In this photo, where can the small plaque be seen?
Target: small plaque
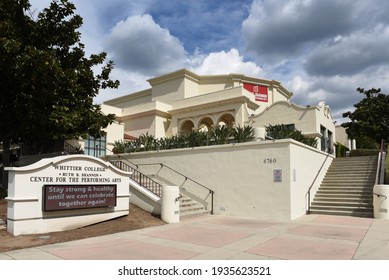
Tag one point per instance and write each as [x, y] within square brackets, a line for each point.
[277, 175]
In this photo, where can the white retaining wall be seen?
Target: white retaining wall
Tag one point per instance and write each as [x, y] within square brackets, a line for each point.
[268, 179]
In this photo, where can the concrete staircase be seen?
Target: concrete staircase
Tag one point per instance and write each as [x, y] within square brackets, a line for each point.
[191, 208]
[188, 206]
[347, 188]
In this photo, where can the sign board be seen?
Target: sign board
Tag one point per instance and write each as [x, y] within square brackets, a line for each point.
[65, 192]
[68, 197]
[260, 92]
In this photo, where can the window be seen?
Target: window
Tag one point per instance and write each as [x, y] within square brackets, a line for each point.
[323, 138]
[290, 126]
[95, 146]
[329, 142]
[326, 140]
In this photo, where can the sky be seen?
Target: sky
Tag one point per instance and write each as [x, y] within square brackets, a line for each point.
[319, 50]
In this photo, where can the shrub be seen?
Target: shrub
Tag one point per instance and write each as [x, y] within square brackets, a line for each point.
[220, 134]
[341, 149]
[242, 134]
[217, 135]
[197, 138]
[281, 131]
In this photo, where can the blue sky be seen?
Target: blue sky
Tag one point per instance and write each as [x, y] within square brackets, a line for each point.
[319, 50]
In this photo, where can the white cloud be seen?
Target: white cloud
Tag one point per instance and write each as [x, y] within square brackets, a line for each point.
[320, 50]
[278, 29]
[350, 55]
[140, 45]
[225, 62]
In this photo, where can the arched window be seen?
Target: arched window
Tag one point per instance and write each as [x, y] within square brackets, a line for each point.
[226, 119]
[205, 124]
[186, 127]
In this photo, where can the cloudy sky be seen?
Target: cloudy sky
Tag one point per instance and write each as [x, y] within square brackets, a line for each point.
[319, 50]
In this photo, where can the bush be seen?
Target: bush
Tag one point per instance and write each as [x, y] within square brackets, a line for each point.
[243, 134]
[217, 135]
[281, 131]
[197, 138]
[341, 150]
[220, 134]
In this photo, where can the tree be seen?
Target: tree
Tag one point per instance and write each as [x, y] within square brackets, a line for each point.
[47, 84]
[370, 118]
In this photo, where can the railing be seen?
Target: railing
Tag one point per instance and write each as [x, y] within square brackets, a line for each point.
[313, 182]
[139, 177]
[380, 175]
[155, 187]
[70, 149]
[121, 163]
[185, 178]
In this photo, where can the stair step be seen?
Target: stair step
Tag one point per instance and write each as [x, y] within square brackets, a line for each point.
[343, 199]
[190, 208]
[342, 208]
[356, 204]
[355, 175]
[346, 185]
[367, 198]
[343, 213]
[191, 214]
[347, 188]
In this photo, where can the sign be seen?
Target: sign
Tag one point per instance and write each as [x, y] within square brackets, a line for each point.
[67, 197]
[65, 192]
[260, 92]
[277, 175]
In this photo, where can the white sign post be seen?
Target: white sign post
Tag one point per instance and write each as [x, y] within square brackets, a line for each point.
[63, 193]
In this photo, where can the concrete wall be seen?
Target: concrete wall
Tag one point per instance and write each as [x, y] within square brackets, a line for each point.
[304, 166]
[288, 113]
[266, 179]
[131, 100]
[169, 91]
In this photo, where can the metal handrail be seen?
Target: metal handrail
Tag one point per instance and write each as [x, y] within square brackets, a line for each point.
[313, 182]
[139, 177]
[159, 191]
[380, 195]
[185, 177]
[380, 165]
[175, 171]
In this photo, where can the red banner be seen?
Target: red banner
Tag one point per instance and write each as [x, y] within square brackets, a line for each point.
[260, 92]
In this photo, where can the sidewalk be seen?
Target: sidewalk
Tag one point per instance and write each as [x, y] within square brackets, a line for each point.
[311, 237]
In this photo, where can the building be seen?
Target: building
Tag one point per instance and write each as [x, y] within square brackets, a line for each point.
[342, 138]
[181, 101]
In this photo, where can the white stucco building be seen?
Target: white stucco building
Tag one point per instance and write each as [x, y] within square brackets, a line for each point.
[182, 100]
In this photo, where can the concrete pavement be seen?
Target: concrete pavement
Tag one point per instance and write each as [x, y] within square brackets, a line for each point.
[213, 237]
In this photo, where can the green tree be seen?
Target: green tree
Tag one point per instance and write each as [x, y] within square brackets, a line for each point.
[370, 117]
[47, 84]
